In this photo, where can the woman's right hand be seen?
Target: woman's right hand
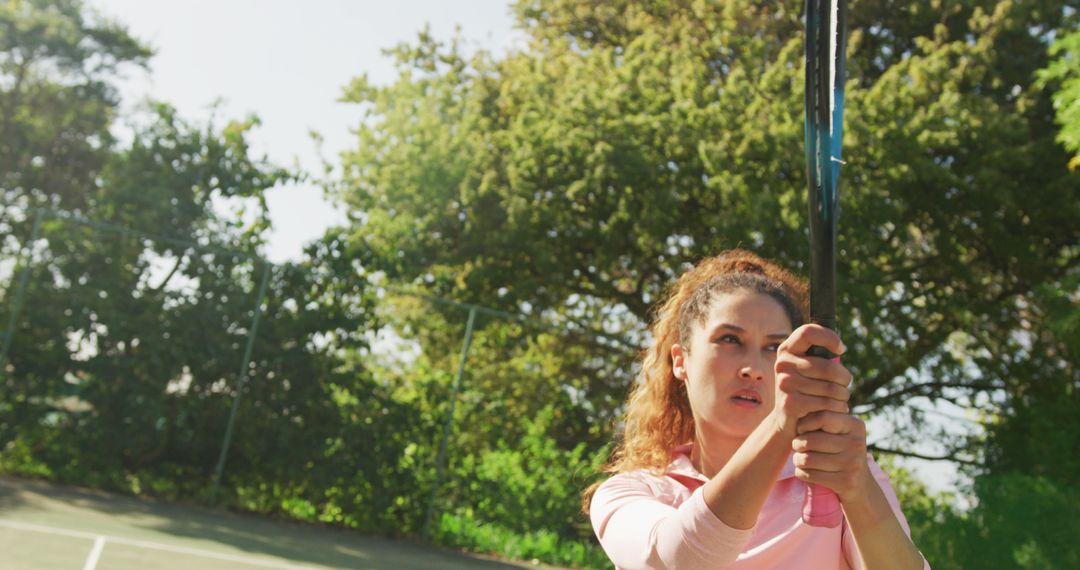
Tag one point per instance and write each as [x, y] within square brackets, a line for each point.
[806, 384]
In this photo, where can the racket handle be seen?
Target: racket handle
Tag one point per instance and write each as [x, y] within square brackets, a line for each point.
[821, 507]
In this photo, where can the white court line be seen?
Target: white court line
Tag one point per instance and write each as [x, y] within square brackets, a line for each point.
[151, 545]
[95, 554]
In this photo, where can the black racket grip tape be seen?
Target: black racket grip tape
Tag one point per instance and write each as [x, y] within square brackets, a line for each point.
[822, 352]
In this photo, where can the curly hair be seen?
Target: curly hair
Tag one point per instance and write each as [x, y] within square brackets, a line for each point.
[658, 416]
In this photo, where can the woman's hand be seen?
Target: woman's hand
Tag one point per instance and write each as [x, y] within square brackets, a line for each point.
[830, 450]
[808, 384]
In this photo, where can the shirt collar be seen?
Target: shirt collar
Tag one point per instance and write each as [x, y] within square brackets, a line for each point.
[682, 466]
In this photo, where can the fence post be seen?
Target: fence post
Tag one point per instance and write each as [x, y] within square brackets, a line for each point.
[426, 534]
[240, 384]
[23, 270]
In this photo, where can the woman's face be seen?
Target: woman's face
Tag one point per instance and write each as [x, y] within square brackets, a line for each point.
[728, 365]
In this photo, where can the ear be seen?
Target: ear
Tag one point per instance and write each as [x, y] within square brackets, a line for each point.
[678, 361]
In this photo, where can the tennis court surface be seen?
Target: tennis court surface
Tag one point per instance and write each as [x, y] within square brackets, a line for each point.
[52, 527]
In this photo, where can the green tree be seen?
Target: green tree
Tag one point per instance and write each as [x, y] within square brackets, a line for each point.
[1065, 71]
[574, 177]
[122, 308]
[1031, 485]
[125, 360]
[142, 293]
[59, 61]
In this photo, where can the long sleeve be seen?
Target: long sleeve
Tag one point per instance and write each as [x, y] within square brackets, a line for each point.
[851, 553]
[639, 529]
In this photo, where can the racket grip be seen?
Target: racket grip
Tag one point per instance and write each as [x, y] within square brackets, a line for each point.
[822, 352]
[821, 507]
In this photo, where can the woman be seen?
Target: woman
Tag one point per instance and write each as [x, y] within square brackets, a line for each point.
[728, 426]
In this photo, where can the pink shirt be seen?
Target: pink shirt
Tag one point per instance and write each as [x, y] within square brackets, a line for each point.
[646, 521]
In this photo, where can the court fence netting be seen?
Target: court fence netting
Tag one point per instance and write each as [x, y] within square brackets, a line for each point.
[313, 390]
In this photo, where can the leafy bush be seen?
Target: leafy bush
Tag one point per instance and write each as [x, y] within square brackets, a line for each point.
[532, 484]
[540, 545]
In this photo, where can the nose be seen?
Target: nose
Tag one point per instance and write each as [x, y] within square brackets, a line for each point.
[753, 370]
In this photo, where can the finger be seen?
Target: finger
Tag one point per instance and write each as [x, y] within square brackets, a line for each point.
[813, 335]
[802, 388]
[817, 368]
[842, 473]
[818, 404]
[831, 421]
[822, 442]
[809, 461]
[838, 481]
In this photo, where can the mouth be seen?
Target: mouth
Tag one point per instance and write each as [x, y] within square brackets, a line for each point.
[748, 398]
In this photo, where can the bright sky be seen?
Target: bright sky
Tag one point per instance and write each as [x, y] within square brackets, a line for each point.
[286, 61]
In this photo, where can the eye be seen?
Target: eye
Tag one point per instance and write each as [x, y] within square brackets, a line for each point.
[727, 339]
[773, 347]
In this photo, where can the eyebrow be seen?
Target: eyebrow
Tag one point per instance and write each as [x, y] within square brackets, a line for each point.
[738, 329]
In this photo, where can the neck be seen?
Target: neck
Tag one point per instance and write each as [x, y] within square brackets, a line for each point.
[711, 453]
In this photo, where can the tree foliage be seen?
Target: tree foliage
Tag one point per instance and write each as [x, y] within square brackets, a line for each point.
[577, 175]
[143, 290]
[573, 177]
[58, 98]
[1064, 70]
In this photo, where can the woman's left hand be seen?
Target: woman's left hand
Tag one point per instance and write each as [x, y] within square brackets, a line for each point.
[830, 450]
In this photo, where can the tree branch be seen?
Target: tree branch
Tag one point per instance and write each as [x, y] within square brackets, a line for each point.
[165, 281]
[921, 348]
[912, 454]
[930, 387]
